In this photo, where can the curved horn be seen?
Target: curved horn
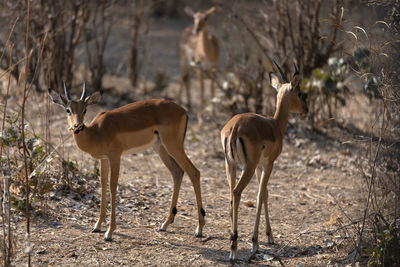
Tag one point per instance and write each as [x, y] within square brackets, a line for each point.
[296, 70]
[83, 91]
[66, 92]
[284, 78]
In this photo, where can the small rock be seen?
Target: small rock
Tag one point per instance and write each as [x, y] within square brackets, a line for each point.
[267, 257]
[314, 161]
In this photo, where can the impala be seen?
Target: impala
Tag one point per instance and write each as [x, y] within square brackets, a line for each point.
[198, 48]
[253, 142]
[133, 128]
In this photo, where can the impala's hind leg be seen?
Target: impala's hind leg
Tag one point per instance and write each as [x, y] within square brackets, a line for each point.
[262, 198]
[230, 169]
[177, 174]
[244, 180]
[173, 144]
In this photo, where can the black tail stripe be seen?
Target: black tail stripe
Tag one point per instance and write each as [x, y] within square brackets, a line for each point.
[226, 149]
[244, 148]
[231, 144]
[187, 120]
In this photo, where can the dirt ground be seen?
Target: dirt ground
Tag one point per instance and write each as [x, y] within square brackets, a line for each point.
[314, 198]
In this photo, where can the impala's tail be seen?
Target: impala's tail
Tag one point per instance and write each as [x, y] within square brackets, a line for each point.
[235, 148]
[187, 120]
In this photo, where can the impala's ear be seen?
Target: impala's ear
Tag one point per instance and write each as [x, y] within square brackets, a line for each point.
[93, 98]
[56, 98]
[274, 81]
[189, 11]
[295, 80]
[211, 10]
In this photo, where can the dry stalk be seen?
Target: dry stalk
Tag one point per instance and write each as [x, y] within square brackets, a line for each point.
[8, 39]
[370, 186]
[6, 203]
[27, 211]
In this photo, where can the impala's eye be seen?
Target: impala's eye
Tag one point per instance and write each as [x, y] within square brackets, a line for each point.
[68, 111]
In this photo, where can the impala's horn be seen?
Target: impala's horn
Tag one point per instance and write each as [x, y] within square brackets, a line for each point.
[296, 70]
[66, 92]
[83, 91]
[284, 78]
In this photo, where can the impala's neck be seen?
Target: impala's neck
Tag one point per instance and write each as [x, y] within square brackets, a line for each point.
[282, 114]
[203, 38]
[85, 138]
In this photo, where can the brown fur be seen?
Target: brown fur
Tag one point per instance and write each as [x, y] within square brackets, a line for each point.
[156, 123]
[254, 141]
[197, 44]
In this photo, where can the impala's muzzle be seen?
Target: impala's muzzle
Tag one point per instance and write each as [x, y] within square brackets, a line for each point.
[79, 128]
[196, 31]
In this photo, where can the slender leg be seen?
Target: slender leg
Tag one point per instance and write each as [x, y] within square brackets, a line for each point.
[181, 85]
[261, 198]
[201, 109]
[185, 82]
[245, 178]
[194, 175]
[173, 142]
[104, 171]
[231, 176]
[213, 77]
[177, 174]
[212, 91]
[114, 166]
[188, 94]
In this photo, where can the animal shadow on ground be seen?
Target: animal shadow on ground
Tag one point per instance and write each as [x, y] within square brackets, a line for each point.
[265, 255]
[279, 253]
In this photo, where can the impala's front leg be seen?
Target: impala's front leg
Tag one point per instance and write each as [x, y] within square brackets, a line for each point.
[202, 98]
[262, 195]
[114, 166]
[104, 170]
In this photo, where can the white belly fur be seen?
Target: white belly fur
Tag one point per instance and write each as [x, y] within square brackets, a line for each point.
[141, 148]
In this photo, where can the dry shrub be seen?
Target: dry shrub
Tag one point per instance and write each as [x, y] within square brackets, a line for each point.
[381, 173]
[300, 32]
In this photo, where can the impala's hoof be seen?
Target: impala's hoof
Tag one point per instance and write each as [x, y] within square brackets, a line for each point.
[254, 249]
[233, 256]
[108, 239]
[198, 235]
[161, 229]
[96, 230]
[199, 232]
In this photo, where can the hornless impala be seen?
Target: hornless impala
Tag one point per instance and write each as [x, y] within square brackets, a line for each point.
[197, 46]
[253, 142]
[133, 128]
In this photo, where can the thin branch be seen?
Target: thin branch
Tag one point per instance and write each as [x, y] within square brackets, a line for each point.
[373, 175]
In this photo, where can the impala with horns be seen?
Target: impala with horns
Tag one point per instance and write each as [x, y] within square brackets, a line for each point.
[253, 142]
[198, 48]
[133, 128]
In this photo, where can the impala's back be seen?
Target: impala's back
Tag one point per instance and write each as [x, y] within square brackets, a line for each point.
[250, 132]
